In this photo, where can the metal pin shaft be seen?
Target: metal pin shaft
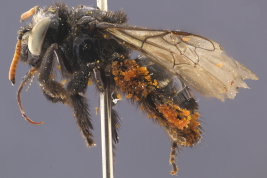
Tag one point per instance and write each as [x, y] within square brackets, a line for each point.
[105, 110]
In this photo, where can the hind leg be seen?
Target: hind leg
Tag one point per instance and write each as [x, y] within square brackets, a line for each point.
[76, 89]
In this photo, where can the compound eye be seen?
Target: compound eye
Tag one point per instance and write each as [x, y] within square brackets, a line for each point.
[37, 36]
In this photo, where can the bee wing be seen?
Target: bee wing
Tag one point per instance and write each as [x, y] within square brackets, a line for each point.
[199, 62]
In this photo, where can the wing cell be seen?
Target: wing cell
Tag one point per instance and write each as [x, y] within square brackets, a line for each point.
[201, 63]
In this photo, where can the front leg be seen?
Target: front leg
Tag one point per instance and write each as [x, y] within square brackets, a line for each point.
[24, 81]
[55, 92]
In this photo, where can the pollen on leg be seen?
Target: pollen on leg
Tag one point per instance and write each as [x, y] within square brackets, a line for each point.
[193, 132]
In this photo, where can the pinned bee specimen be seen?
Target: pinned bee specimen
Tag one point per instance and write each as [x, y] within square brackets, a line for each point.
[86, 45]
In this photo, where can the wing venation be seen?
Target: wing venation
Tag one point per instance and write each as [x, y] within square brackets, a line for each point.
[199, 62]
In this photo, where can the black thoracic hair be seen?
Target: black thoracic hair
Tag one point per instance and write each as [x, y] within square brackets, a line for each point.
[87, 45]
[82, 55]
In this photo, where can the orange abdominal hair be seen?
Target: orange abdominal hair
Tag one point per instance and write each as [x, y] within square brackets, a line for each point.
[29, 13]
[14, 63]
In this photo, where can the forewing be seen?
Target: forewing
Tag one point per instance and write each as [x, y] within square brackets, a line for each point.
[199, 62]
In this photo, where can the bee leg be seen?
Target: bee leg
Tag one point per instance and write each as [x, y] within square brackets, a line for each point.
[64, 63]
[24, 81]
[115, 122]
[98, 80]
[51, 98]
[76, 88]
[173, 154]
[52, 90]
[115, 117]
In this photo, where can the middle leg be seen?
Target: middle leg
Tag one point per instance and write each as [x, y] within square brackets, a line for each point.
[52, 90]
